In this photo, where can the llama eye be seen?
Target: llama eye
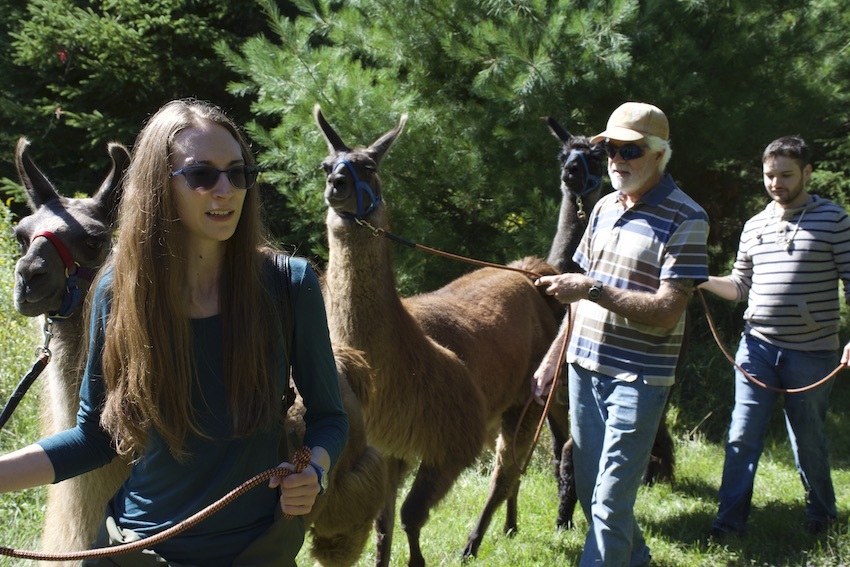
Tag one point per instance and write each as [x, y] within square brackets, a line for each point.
[23, 244]
[94, 243]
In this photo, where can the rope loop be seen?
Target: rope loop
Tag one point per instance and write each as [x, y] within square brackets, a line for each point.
[749, 376]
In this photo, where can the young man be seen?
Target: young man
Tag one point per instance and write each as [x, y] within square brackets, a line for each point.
[642, 254]
[790, 258]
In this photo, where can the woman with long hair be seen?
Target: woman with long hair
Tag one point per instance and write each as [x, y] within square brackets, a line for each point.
[195, 322]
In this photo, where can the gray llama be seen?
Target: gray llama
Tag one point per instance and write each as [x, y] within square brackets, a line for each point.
[59, 231]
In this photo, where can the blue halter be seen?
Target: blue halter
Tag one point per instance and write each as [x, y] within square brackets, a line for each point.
[591, 182]
[361, 188]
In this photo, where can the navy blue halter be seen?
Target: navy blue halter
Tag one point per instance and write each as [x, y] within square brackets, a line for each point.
[361, 188]
[591, 182]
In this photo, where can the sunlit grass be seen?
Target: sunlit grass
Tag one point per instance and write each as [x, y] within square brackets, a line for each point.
[20, 514]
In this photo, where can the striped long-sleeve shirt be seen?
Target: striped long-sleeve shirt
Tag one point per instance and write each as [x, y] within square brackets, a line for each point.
[788, 266]
[662, 237]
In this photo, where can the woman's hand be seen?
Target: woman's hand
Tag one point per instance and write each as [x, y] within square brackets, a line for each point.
[298, 491]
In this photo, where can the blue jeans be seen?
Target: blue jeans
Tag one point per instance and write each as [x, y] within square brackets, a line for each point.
[613, 425]
[805, 414]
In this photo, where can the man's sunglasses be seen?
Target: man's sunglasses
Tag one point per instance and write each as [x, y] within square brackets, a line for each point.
[204, 177]
[627, 152]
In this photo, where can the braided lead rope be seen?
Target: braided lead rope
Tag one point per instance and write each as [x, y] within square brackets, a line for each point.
[300, 461]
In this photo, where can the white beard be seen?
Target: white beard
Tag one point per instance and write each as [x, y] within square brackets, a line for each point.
[633, 182]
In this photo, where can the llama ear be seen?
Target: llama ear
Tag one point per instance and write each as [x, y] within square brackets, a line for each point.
[558, 131]
[335, 143]
[39, 189]
[382, 145]
[108, 196]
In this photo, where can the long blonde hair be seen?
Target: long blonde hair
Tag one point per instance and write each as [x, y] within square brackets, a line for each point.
[148, 366]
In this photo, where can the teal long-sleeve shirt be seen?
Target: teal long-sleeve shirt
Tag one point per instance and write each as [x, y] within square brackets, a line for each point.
[162, 491]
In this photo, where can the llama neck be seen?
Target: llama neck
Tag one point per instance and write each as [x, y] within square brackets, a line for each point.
[364, 309]
[64, 374]
[570, 229]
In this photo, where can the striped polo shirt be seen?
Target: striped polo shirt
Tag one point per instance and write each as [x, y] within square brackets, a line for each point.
[662, 237]
[788, 266]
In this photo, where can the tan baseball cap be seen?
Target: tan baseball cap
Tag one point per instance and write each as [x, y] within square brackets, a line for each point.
[634, 120]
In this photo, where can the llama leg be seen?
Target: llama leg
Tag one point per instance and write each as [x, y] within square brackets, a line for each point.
[567, 496]
[559, 426]
[430, 485]
[662, 461]
[511, 452]
[386, 519]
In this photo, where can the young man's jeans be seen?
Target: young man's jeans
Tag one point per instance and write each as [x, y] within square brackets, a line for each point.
[805, 414]
[613, 425]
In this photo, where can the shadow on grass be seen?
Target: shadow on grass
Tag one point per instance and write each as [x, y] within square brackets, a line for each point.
[777, 535]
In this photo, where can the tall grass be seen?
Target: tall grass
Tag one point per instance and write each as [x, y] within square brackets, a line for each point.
[20, 514]
[675, 518]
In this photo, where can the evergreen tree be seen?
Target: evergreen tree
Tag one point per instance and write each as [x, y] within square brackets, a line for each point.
[86, 72]
[474, 172]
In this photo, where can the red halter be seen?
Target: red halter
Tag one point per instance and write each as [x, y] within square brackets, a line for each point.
[73, 295]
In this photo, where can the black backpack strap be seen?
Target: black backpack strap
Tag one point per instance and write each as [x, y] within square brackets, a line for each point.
[282, 277]
[284, 298]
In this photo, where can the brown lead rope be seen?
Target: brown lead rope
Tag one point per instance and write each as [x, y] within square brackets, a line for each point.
[752, 378]
[404, 242]
[301, 460]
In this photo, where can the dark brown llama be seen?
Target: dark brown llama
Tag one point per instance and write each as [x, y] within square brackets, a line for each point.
[583, 166]
[82, 226]
[451, 369]
[341, 520]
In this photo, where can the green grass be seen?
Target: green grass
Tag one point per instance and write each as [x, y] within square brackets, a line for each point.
[20, 514]
[675, 519]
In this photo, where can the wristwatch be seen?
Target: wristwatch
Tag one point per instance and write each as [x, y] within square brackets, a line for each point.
[323, 477]
[595, 291]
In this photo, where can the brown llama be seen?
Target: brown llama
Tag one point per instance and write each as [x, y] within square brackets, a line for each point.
[583, 166]
[75, 507]
[451, 369]
[342, 519]
[84, 227]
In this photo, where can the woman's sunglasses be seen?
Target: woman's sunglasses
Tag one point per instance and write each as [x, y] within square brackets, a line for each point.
[204, 177]
[627, 152]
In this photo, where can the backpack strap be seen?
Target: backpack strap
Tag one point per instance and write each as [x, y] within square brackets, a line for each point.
[282, 277]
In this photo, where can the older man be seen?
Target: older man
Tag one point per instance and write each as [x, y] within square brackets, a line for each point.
[791, 256]
[642, 254]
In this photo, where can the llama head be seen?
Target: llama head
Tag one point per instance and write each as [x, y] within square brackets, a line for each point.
[65, 240]
[353, 188]
[582, 164]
